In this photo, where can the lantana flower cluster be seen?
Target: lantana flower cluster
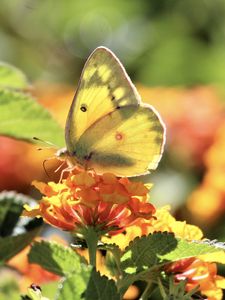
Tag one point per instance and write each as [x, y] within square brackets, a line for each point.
[85, 198]
[121, 208]
[200, 272]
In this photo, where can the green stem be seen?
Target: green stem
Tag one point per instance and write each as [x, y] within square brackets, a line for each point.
[161, 289]
[147, 291]
[91, 238]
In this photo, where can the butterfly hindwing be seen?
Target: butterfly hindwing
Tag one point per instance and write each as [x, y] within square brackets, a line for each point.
[103, 87]
[127, 142]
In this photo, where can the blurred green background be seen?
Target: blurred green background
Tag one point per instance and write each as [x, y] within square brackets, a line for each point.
[161, 42]
[177, 45]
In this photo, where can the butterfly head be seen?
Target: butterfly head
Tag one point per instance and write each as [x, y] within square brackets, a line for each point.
[62, 154]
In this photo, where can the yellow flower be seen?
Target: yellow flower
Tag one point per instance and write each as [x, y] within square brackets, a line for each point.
[162, 221]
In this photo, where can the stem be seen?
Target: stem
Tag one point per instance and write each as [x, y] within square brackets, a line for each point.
[91, 238]
[145, 295]
[119, 272]
[161, 289]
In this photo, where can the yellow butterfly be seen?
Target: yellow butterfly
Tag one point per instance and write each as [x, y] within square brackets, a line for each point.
[108, 128]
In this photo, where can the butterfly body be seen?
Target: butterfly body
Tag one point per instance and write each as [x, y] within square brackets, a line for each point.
[108, 127]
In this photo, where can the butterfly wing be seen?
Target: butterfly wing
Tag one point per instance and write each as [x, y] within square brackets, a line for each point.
[103, 87]
[128, 141]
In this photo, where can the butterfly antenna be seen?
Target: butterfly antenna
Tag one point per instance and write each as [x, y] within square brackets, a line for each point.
[45, 142]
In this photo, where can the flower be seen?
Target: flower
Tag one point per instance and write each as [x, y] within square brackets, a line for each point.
[87, 199]
[211, 192]
[198, 273]
[162, 221]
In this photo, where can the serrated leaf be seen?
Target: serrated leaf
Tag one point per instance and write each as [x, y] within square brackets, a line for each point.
[54, 258]
[11, 77]
[11, 245]
[11, 207]
[186, 249]
[74, 285]
[23, 118]
[158, 249]
[101, 288]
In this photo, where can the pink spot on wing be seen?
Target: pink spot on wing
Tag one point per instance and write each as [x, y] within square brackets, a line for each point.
[119, 136]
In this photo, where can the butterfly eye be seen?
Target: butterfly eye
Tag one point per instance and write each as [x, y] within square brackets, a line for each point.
[83, 108]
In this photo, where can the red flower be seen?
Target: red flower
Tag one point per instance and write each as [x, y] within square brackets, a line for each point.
[198, 273]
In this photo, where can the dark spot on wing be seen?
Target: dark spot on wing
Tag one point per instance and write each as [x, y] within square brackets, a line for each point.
[83, 108]
[94, 80]
[110, 92]
[156, 127]
[158, 140]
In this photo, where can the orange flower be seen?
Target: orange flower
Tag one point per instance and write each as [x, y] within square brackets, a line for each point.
[198, 273]
[162, 221]
[87, 199]
[211, 192]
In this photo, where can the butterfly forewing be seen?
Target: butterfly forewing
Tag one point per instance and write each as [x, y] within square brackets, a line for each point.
[108, 127]
[104, 86]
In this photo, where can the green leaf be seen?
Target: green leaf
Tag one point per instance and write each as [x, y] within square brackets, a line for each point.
[11, 77]
[23, 118]
[11, 207]
[55, 258]
[74, 285]
[11, 245]
[112, 258]
[101, 288]
[160, 248]
[49, 289]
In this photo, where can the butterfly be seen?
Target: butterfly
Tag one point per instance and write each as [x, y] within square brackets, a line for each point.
[109, 128]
